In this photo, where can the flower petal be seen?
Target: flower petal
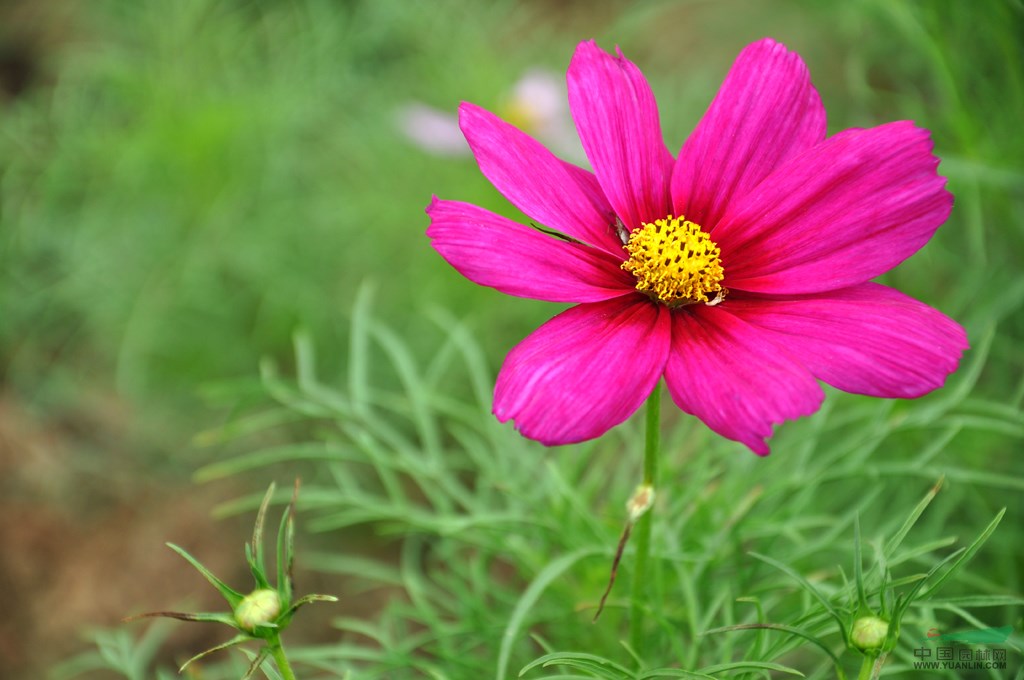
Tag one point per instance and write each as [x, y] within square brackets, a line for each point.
[493, 251]
[584, 371]
[617, 118]
[868, 339]
[534, 180]
[734, 378]
[765, 112]
[591, 188]
[845, 211]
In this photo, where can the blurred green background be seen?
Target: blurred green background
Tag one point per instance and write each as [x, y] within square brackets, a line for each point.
[186, 183]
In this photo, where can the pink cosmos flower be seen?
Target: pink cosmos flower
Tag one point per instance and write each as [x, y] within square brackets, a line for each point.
[739, 270]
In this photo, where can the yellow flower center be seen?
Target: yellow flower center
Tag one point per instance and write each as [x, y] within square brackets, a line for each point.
[675, 262]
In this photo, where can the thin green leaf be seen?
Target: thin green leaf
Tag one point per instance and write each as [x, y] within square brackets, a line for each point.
[147, 647]
[306, 599]
[897, 539]
[258, 574]
[529, 598]
[561, 676]
[359, 351]
[232, 596]
[305, 360]
[241, 427]
[237, 640]
[884, 592]
[289, 453]
[782, 628]
[258, 564]
[80, 664]
[476, 361]
[592, 663]
[967, 554]
[256, 661]
[908, 598]
[367, 629]
[751, 665]
[418, 400]
[858, 569]
[203, 617]
[328, 404]
[978, 601]
[922, 549]
[756, 651]
[286, 547]
[806, 585]
[673, 673]
[907, 580]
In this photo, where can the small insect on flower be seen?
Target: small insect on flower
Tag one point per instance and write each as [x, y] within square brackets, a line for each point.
[739, 270]
[621, 231]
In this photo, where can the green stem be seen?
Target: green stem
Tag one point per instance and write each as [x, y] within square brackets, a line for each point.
[871, 667]
[651, 440]
[277, 651]
[643, 526]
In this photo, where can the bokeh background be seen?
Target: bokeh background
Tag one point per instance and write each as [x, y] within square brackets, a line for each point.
[185, 184]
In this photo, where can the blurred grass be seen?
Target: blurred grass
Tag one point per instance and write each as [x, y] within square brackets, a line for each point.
[497, 552]
[184, 184]
[202, 177]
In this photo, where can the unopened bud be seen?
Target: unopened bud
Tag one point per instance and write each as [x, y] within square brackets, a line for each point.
[869, 633]
[258, 608]
[641, 502]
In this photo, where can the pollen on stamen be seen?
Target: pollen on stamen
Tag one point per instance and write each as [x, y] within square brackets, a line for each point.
[675, 262]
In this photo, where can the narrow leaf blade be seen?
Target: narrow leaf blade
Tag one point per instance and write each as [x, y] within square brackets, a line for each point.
[231, 595]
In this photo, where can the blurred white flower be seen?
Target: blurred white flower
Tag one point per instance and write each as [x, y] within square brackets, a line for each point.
[537, 105]
[432, 130]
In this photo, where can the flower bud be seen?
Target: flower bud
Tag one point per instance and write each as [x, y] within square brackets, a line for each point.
[869, 633]
[640, 502]
[258, 608]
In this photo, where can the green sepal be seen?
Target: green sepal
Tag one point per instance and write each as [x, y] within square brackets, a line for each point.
[258, 574]
[230, 594]
[883, 595]
[254, 554]
[266, 631]
[286, 550]
[203, 617]
[306, 599]
[237, 640]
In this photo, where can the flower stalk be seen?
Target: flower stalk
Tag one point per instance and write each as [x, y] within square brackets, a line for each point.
[638, 601]
[871, 667]
[277, 651]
